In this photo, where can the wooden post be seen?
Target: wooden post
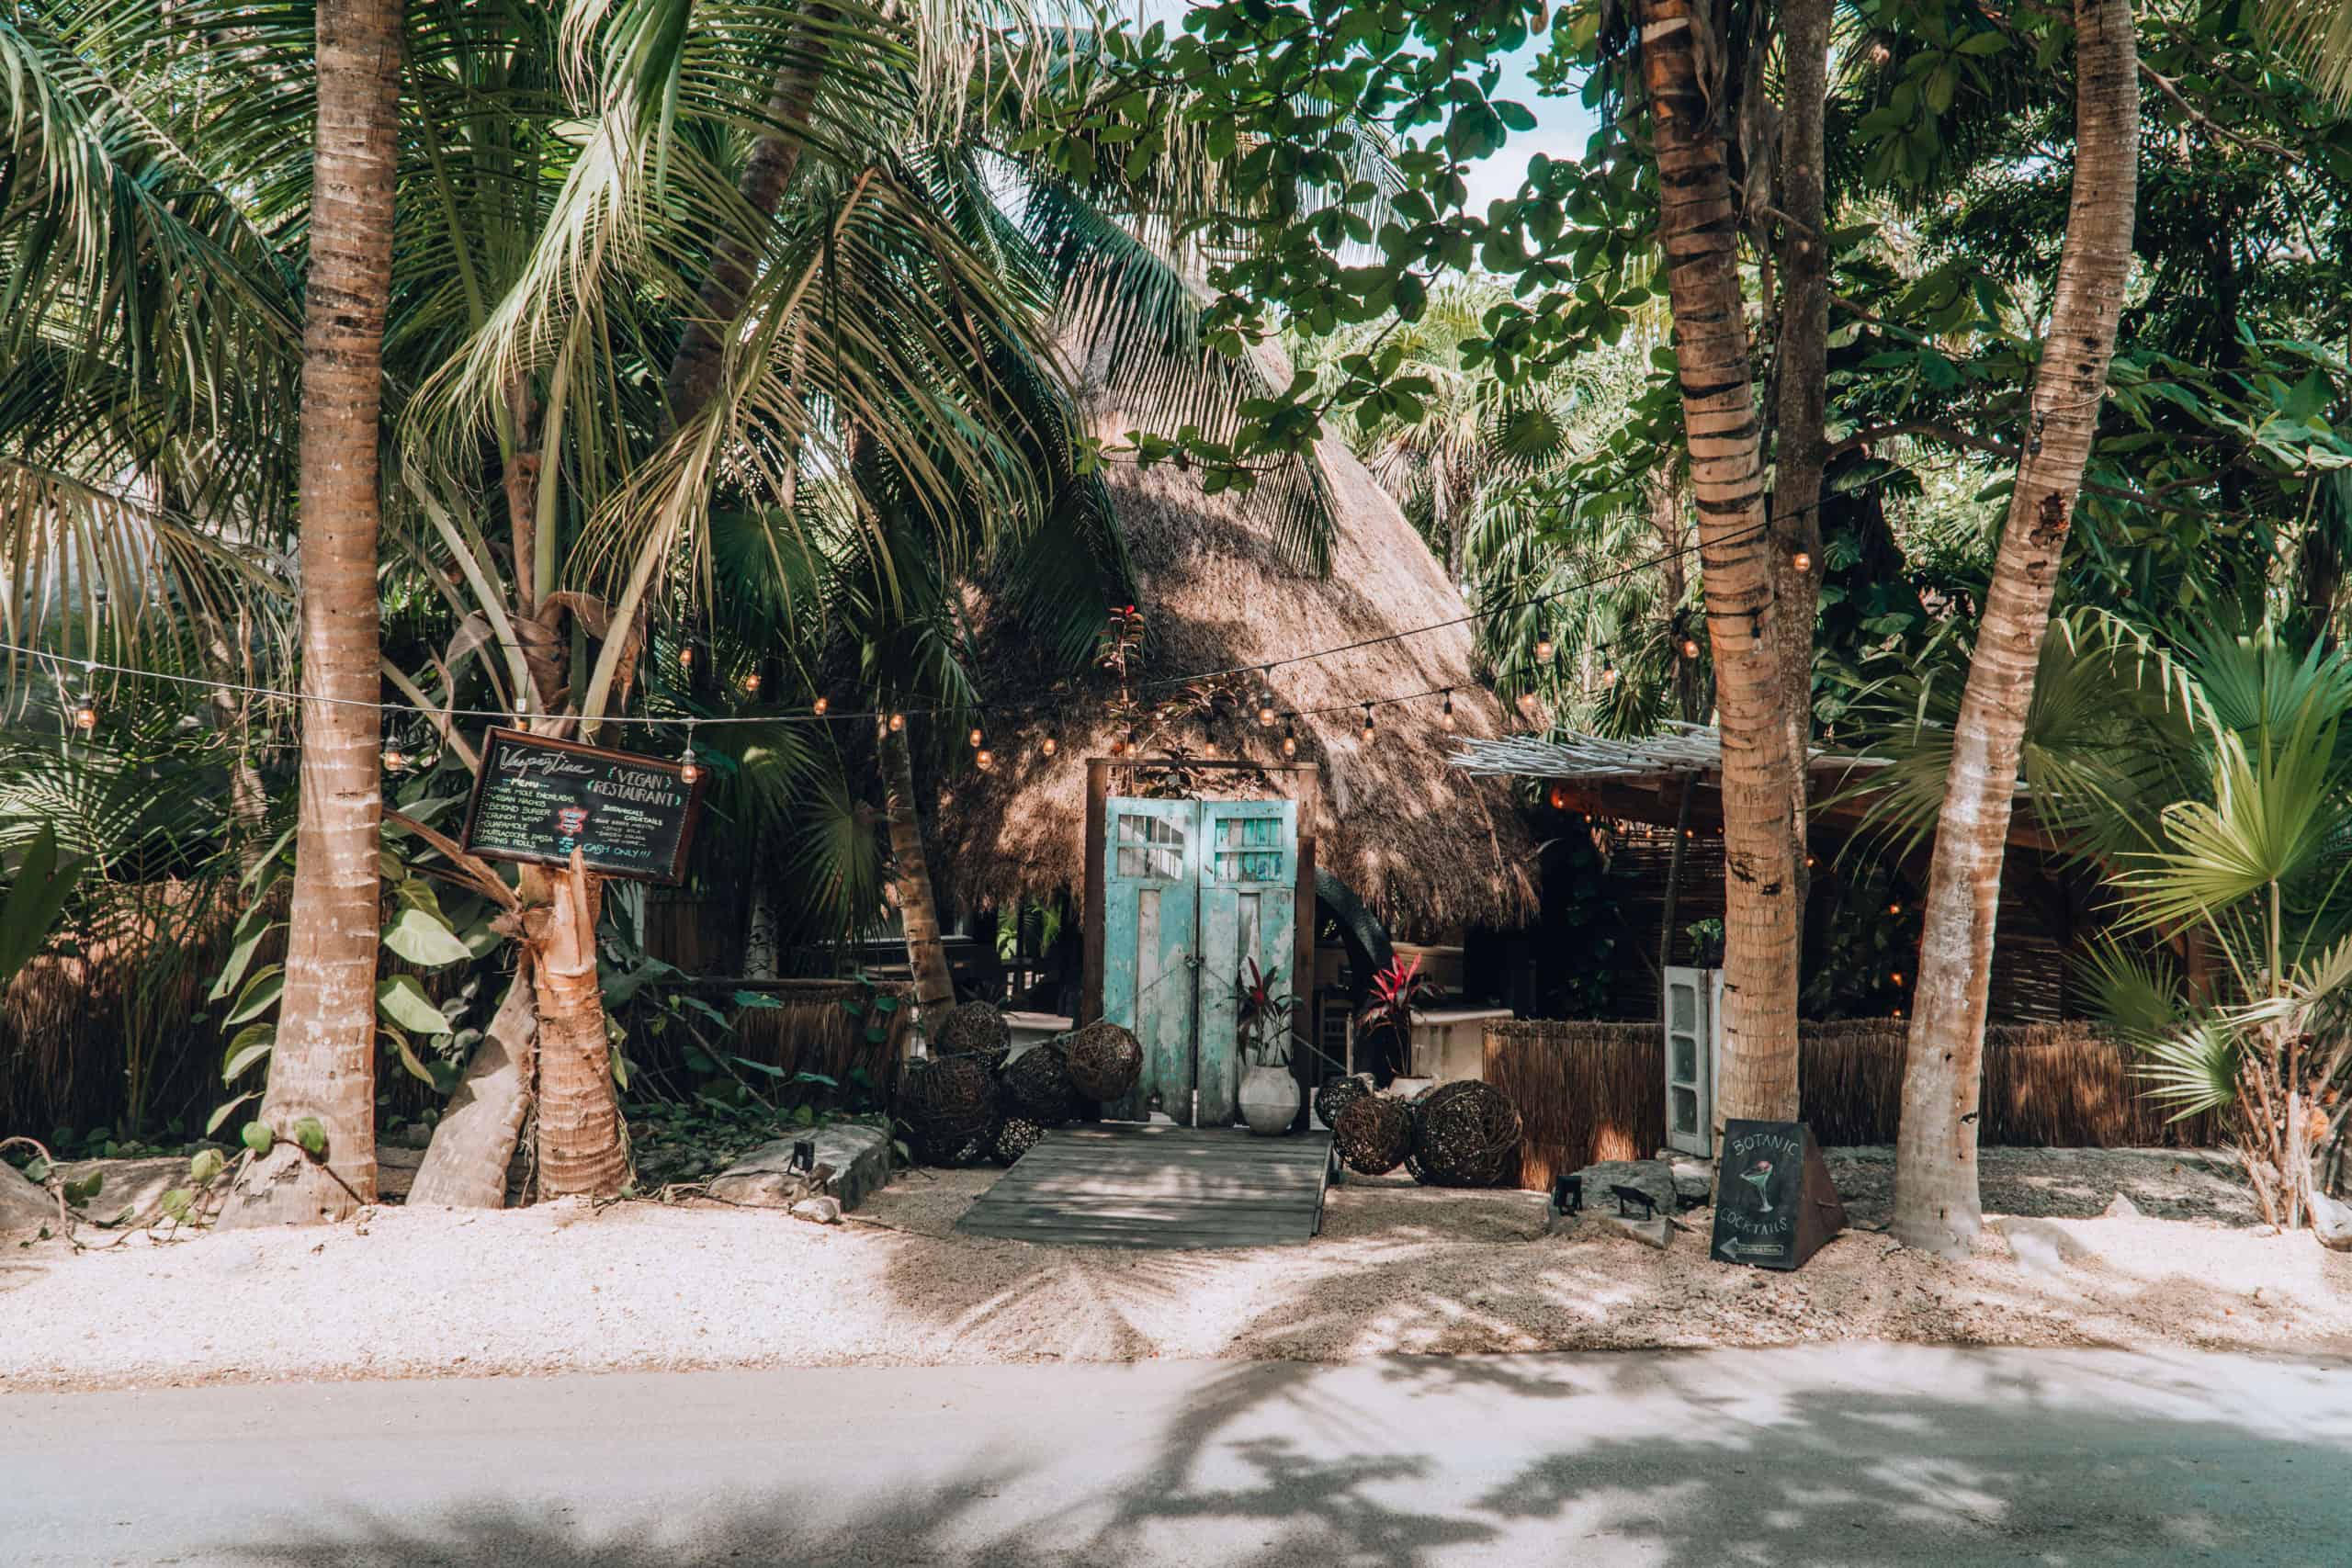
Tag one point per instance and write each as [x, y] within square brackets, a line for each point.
[1098, 795]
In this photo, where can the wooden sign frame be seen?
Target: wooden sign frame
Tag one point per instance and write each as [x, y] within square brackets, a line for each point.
[494, 736]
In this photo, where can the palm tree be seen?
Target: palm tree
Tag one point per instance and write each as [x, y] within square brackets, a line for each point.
[2320, 32]
[1938, 1206]
[1680, 46]
[2254, 864]
[323, 1068]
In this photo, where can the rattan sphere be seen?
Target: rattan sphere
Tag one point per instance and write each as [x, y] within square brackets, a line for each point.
[1373, 1133]
[1105, 1060]
[947, 1102]
[1016, 1138]
[1465, 1134]
[1038, 1084]
[1338, 1094]
[976, 1030]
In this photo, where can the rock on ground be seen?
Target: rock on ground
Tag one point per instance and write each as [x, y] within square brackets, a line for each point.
[1652, 1177]
[856, 1158]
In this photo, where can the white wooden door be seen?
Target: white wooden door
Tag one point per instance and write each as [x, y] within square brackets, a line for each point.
[1693, 1006]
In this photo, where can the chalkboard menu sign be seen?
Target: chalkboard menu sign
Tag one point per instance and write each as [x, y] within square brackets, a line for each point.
[537, 799]
[1775, 1206]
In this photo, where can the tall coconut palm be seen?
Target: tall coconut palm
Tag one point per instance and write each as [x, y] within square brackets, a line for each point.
[1681, 55]
[1938, 1206]
[323, 1068]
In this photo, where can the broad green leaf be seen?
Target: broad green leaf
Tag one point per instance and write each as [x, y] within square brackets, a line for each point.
[756, 999]
[415, 1068]
[257, 1137]
[260, 995]
[401, 999]
[311, 1134]
[251, 926]
[250, 1044]
[421, 936]
[178, 1202]
[207, 1165]
[221, 1112]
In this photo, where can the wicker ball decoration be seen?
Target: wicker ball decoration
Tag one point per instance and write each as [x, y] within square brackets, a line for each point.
[1016, 1138]
[1338, 1094]
[1105, 1060]
[976, 1030]
[948, 1102]
[1373, 1133]
[1465, 1134]
[1038, 1085]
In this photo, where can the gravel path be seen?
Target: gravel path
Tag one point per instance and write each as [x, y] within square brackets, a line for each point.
[1399, 1268]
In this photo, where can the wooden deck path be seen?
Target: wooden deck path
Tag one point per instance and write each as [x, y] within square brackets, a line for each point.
[1132, 1185]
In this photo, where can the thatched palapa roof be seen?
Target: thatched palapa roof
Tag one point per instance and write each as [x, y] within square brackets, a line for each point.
[1422, 845]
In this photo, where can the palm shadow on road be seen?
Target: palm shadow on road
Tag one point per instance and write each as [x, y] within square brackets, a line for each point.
[1280, 1466]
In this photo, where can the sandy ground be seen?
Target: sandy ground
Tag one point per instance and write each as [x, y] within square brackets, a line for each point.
[1399, 1268]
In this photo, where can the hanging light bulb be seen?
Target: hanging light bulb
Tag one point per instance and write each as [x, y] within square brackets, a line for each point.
[818, 706]
[1445, 714]
[1290, 739]
[1266, 714]
[689, 769]
[686, 656]
[1802, 561]
[1118, 746]
[85, 716]
[1608, 667]
[984, 758]
[395, 755]
[752, 685]
[1558, 797]
[1048, 746]
[1690, 646]
[898, 721]
[1544, 648]
[1367, 722]
[977, 737]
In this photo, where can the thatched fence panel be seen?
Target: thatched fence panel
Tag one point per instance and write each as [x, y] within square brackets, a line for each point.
[1585, 1092]
[1591, 1091]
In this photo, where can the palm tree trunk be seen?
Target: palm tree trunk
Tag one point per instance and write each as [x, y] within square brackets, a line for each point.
[1699, 232]
[935, 986]
[693, 369]
[324, 1063]
[1935, 1200]
[473, 1144]
[1801, 373]
[581, 1150]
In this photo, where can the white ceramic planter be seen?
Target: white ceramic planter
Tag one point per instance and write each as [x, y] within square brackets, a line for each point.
[1268, 1099]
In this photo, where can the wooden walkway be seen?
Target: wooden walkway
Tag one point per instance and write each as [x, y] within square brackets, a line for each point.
[1131, 1185]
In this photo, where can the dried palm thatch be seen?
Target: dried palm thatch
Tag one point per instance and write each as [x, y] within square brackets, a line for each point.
[1015, 1138]
[1038, 1085]
[976, 1030]
[1373, 1133]
[1423, 847]
[1465, 1134]
[949, 1104]
[1339, 1093]
[1105, 1060]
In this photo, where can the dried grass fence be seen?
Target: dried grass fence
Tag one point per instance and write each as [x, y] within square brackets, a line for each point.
[1585, 1092]
[811, 1029]
[1588, 1091]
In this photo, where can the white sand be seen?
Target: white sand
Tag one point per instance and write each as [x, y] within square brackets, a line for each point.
[1399, 1268]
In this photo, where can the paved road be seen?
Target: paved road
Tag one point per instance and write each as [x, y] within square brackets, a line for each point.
[1846, 1455]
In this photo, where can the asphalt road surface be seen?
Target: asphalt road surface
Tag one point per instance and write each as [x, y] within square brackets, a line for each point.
[1843, 1454]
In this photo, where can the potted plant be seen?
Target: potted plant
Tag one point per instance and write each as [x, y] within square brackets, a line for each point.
[1386, 1022]
[1261, 1020]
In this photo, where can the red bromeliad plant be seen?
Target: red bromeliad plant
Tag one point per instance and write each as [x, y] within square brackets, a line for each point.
[1397, 990]
[1261, 1017]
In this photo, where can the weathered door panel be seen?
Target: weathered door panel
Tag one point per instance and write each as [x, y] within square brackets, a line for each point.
[1150, 915]
[1249, 871]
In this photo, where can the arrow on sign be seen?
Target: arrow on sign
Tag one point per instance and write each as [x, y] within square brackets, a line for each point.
[1735, 1247]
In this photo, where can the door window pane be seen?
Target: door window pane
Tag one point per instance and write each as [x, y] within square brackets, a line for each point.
[1151, 848]
[1685, 1059]
[1680, 1010]
[1686, 1111]
[1249, 849]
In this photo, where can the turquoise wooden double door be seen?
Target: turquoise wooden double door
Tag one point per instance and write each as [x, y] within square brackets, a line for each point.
[1193, 890]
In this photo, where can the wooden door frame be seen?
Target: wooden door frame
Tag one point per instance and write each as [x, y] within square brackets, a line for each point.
[1306, 790]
